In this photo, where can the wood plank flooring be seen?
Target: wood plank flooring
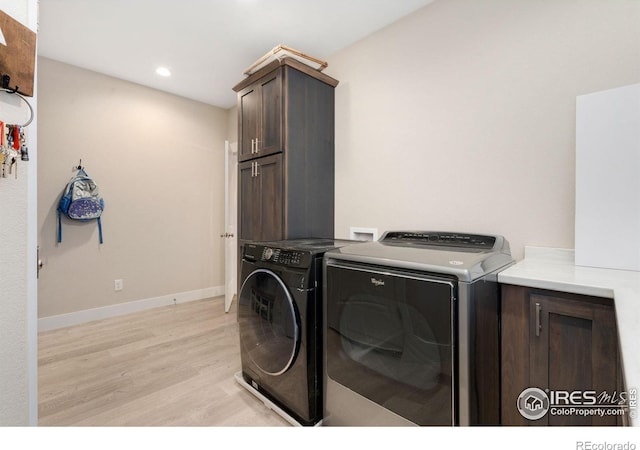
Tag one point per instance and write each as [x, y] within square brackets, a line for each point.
[169, 366]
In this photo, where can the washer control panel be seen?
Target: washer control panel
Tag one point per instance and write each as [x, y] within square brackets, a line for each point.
[275, 255]
[282, 256]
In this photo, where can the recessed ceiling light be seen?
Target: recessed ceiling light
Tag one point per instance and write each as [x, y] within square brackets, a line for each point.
[163, 72]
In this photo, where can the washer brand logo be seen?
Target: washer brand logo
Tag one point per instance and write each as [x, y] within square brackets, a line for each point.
[533, 403]
[377, 282]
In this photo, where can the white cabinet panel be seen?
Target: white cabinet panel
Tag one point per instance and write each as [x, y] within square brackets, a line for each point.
[607, 227]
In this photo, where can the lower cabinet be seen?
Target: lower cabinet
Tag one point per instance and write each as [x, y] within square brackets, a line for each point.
[560, 359]
[261, 199]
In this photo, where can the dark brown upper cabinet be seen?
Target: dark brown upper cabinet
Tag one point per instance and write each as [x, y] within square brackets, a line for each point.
[286, 153]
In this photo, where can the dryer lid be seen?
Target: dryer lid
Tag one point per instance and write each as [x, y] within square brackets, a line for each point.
[465, 255]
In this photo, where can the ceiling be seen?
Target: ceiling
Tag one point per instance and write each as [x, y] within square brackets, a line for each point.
[207, 44]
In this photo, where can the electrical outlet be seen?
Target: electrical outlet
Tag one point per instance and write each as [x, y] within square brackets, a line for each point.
[118, 285]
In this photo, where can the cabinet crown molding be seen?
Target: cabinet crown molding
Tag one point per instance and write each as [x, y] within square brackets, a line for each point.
[295, 64]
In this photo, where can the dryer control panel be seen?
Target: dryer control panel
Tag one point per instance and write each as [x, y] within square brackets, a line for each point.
[440, 238]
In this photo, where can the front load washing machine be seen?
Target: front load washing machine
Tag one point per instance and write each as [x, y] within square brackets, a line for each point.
[280, 323]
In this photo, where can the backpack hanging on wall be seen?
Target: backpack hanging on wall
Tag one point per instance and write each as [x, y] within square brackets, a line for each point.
[81, 201]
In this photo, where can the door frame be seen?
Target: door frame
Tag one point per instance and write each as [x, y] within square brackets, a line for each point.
[230, 222]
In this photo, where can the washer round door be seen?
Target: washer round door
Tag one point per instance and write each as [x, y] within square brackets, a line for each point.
[269, 322]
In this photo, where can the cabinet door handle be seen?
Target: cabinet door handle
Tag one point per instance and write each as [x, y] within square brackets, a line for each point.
[257, 165]
[252, 147]
[253, 169]
[538, 319]
[257, 148]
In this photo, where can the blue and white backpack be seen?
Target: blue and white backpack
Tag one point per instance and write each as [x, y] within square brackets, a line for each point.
[81, 201]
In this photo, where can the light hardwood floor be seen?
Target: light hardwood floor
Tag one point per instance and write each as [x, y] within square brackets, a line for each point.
[169, 366]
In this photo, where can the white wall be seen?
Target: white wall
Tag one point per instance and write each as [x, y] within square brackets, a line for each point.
[18, 296]
[158, 160]
[461, 116]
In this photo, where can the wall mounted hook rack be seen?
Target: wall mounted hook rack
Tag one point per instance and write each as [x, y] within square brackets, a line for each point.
[6, 80]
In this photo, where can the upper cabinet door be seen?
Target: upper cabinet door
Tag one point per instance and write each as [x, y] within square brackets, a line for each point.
[260, 117]
[247, 122]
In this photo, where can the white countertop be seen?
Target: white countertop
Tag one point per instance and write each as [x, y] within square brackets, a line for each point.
[554, 269]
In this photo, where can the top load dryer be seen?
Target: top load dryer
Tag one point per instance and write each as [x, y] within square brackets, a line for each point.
[412, 330]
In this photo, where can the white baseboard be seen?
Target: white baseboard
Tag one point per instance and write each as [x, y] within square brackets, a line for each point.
[89, 315]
